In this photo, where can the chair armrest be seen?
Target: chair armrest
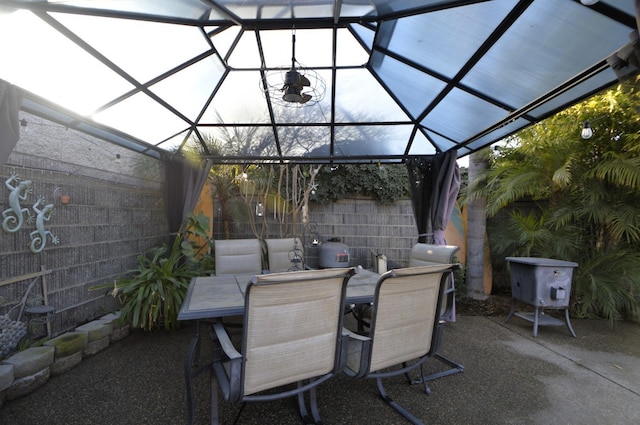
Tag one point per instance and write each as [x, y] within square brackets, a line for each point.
[437, 339]
[358, 354]
[225, 344]
[354, 335]
[344, 351]
[227, 363]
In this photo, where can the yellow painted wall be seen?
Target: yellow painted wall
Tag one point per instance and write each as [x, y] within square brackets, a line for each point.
[204, 206]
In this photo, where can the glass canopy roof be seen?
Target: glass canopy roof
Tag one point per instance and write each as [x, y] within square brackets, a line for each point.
[387, 79]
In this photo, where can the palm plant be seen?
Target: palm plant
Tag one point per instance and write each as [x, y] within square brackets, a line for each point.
[226, 195]
[584, 197]
[222, 177]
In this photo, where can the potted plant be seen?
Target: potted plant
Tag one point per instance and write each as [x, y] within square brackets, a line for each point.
[152, 294]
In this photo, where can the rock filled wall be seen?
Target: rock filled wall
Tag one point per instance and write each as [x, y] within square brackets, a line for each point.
[363, 224]
[115, 211]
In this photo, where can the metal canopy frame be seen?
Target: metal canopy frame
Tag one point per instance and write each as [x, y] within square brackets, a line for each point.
[402, 78]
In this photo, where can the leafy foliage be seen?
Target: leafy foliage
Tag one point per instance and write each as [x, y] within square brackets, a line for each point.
[152, 293]
[583, 198]
[222, 177]
[608, 283]
[227, 195]
[386, 183]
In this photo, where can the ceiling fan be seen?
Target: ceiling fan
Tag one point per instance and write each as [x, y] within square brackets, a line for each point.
[293, 86]
[294, 81]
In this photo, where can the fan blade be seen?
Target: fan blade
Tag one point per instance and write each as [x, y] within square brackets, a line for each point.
[303, 81]
[292, 95]
[305, 98]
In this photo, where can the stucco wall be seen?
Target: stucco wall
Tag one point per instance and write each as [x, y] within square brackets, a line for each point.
[116, 212]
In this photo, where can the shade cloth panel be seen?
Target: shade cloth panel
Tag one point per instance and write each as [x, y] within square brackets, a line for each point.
[10, 101]
[419, 169]
[434, 183]
[444, 194]
[184, 182]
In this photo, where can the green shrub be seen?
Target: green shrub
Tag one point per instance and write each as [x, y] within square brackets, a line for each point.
[152, 294]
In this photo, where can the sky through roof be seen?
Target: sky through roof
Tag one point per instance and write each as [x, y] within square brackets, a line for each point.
[387, 79]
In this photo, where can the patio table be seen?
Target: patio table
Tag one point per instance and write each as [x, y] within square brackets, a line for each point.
[216, 297]
[213, 297]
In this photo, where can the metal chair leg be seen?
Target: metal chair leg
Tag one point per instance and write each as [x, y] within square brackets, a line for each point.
[302, 407]
[191, 370]
[215, 419]
[422, 379]
[315, 413]
[427, 389]
[454, 366]
[397, 406]
[314, 417]
[190, 364]
[242, 406]
[357, 312]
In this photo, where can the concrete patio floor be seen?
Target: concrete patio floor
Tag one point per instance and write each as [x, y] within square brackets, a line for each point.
[510, 377]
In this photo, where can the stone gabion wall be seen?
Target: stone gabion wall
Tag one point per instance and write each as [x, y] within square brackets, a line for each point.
[363, 224]
[116, 211]
[368, 227]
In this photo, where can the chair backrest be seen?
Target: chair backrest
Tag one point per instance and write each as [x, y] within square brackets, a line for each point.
[281, 254]
[238, 256]
[292, 327]
[423, 254]
[405, 314]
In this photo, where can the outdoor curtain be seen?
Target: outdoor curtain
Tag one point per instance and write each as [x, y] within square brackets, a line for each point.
[10, 101]
[184, 182]
[435, 183]
[420, 183]
[444, 194]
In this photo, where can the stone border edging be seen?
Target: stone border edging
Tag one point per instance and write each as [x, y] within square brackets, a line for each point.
[25, 371]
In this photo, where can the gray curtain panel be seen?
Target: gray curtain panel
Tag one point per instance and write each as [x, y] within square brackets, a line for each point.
[10, 101]
[184, 182]
[445, 192]
[435, 183]
[420, 169]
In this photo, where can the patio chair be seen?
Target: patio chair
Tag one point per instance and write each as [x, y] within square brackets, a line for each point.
[423, 254]
[286, 254]
[405, 324]
[292, 340]
[238, 256]
[427, 254]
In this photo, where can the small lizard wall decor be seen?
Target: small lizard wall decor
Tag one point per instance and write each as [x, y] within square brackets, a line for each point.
[13, 217]
[39, 236]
